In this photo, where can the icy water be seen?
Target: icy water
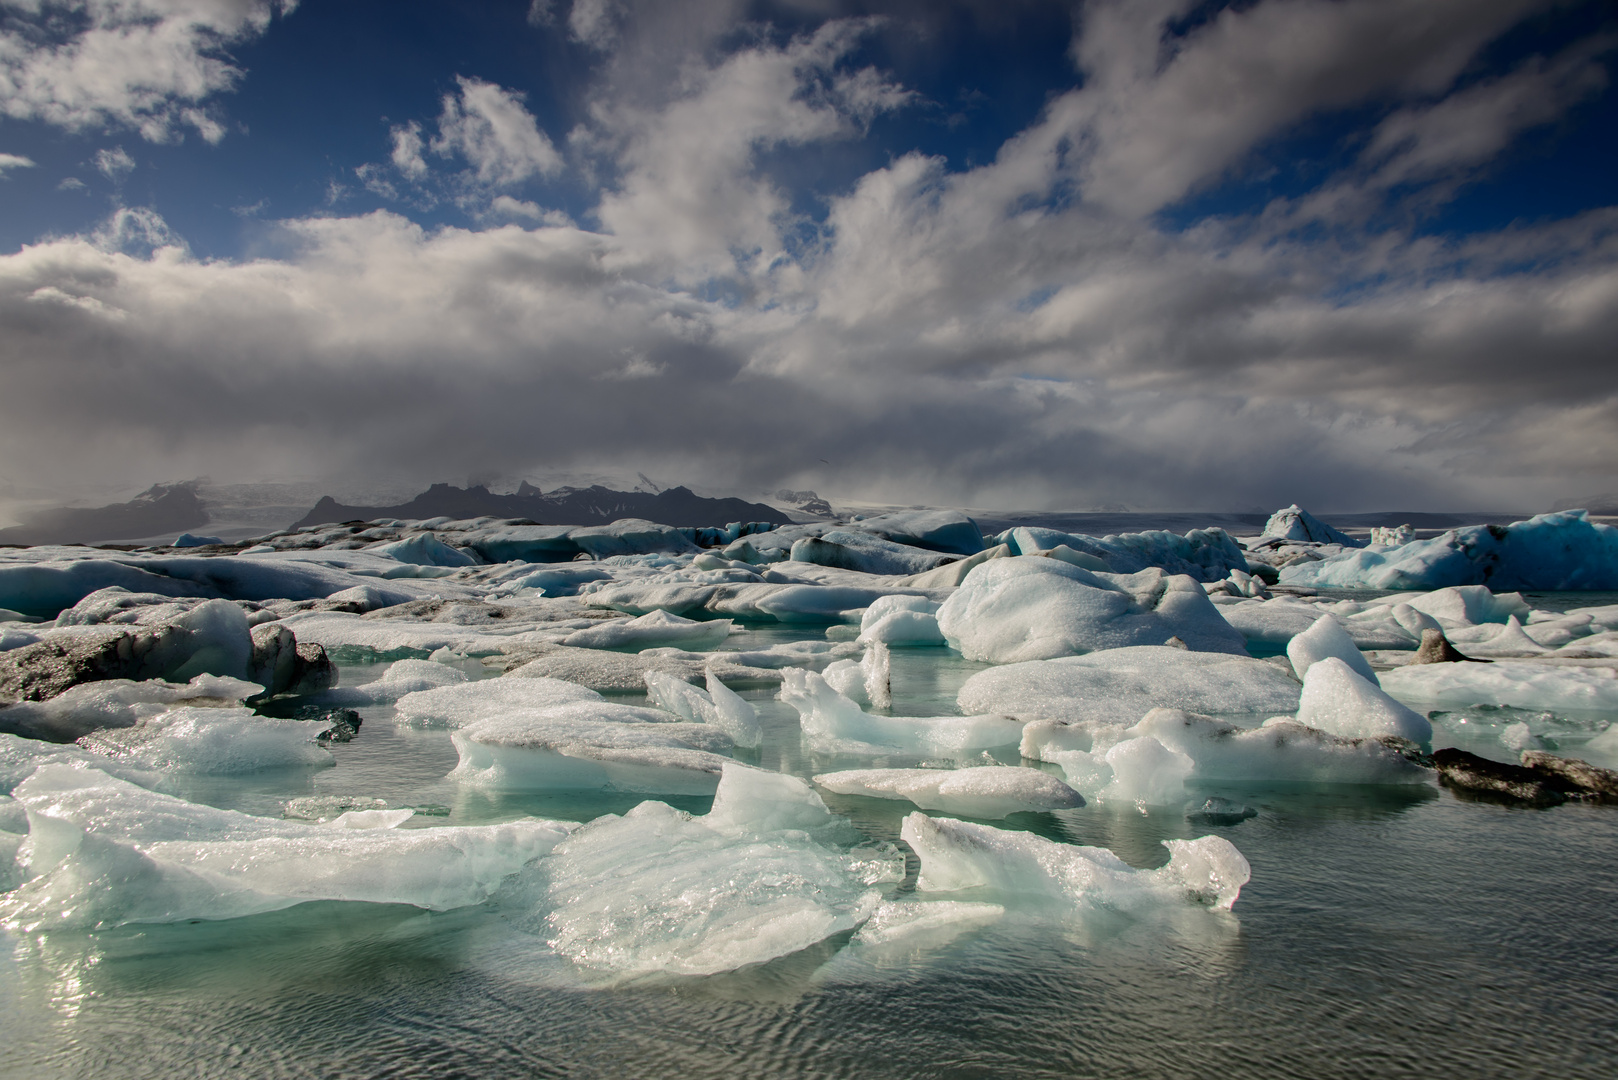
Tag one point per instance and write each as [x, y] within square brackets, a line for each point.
[1382, 934]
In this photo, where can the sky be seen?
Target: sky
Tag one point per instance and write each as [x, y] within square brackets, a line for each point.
[1166, 254]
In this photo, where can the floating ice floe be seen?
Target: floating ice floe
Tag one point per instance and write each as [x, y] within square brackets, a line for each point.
[1518, 684]
[215, 741]
[115, 703]
[613, 671]
[832, 724]
[868, 681]
[402, 677]
[590, 746]
[761, 875]
[1121, 685]
[718, 705]
[905, 923]
[172, 860]
[1026, 608]
[961, 855]
[652, 630]
[457, 705]
[987, 791]
[1281, 751]
[1561, 551]
[1338, 700]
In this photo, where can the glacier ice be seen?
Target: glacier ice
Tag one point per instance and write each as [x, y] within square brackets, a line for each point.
[1121, 685]
[590, 746]
[211, 740]
[762, 875]
[1560, 551]
[1281, 751]
[718, 705]
[1029, 608]
[1522, 684]
[961, 855]
[114, 703]
[402, 677]
[832, 724]
[1337, 700]
[902, 620]
[103, 852]
[465, 703]
[986, 791]
[652, 630]
[1203, 554]
[1326, 637]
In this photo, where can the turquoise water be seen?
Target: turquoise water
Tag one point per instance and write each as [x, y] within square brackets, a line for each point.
[1383, 934]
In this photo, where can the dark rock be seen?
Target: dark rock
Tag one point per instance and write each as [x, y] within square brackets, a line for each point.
[315, 669]
[1578, 778]
[341, 724]
[283, 665]
[1436, 649]
[46, 668]
[1479, 777]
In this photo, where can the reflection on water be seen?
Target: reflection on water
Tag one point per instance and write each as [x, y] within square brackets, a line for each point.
[1389, 932]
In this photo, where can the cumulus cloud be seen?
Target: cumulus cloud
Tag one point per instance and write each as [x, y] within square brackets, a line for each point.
[1019, 333]
[114, 163]
[150, 65]
[488, 126]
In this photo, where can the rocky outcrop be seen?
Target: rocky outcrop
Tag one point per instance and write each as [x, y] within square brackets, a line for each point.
[1436, 649]
[47, 668]
[1541, 780]
[283, 665]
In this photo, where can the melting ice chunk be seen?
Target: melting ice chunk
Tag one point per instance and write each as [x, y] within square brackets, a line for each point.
[988, 791]
[1326, 637]
[1519, 684]
[959, 855]
[653, 629]
[402, 677]
[466, 703]
[218, 741]
[833, 724]
[759, 877]
[589, 746]
[718, 706]
[102, 852]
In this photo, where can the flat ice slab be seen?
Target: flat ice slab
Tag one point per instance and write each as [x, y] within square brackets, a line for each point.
[988, 791]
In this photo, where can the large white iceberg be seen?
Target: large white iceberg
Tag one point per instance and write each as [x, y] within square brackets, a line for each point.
[1026, 608]
[762, 875]
[103, 852]
[1121, 685]
[985, 791]
[1296, 523]
[1338, 700]
[1562, 551]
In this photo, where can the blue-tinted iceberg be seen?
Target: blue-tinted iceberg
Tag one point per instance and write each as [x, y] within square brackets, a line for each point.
[1562, 551]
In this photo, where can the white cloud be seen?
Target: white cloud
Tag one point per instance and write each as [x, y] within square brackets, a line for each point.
[407, 147]
[488, 126]
[114, 164]
[14, 161]
[142, 64]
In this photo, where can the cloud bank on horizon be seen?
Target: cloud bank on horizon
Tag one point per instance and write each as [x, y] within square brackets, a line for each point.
[1359, 253]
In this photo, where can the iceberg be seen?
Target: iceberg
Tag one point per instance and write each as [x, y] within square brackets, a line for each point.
[1326, 637]
[987, 791]
[459, 704]
[424, 549]
[402, 677]
[1203, 554]
[1281, 751]
[1026, 608]
[652, 630]
[211, 740]
[1551, 552]
[832, 724]
[902, 620]
[866, 553]
[590, 746]
[1120, 686]
[761, 875]
[1337, 700]
[961, 855]
[1297, 524]
[115, 703]
[718, 706]
[1523, 684]
[174, 861]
